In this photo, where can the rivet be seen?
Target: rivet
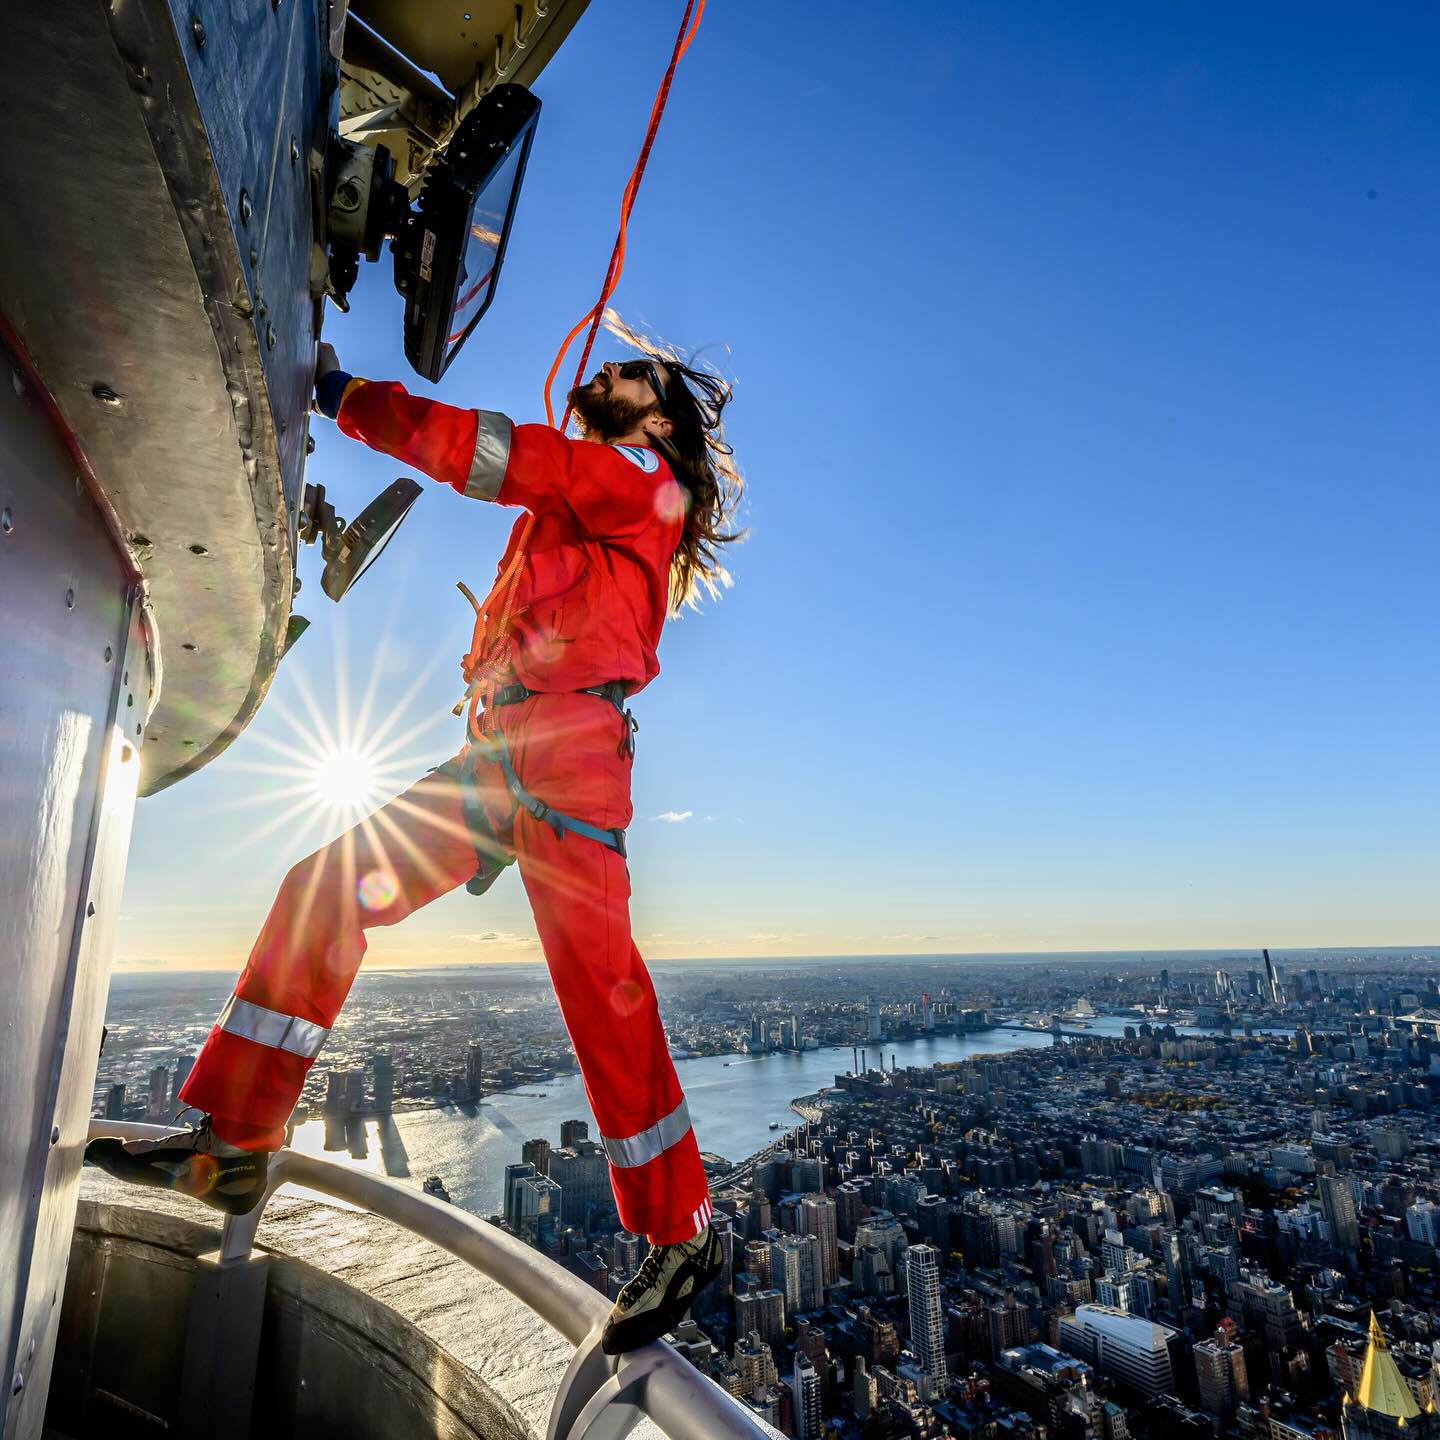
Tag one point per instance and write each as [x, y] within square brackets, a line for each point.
[294, 151]
[130, 702]
[17, 380]
[198, 31]
[19, 1384]
[7, 520]
[125, 678]
[246, 208]
[198, 550]
[90, 908]
[109, 654]
[69, 599]
[188, 645]
[55, 1135]
[106, 396]
[138, 729]
[269, 337]
[309, 444]
[190, 743]
[126, 754]
[254, 257]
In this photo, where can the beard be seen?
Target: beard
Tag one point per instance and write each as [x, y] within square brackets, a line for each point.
[601, 415]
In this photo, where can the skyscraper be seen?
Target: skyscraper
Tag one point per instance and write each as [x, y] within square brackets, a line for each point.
[1273, 992]
[571, 1132]
[762, 1311]
[1337, 1203]
[583, 1177]
[158, 1103]
[805, 1389]
[183, 1066]
[873, 1031]
[818, 1218]
[115, 1102]
[927, 1322]
[1220, 1372]
[474, 1069]
[537, 1153]
[382, 1081]
[785, 1262]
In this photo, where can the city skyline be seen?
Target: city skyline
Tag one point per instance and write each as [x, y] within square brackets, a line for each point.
[1170, 1201]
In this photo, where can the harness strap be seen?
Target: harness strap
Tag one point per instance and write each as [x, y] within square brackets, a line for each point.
[612, 692]
[498, 751]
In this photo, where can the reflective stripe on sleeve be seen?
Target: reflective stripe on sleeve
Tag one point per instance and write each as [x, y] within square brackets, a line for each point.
[270, 1027]
[643, 1147]
[492, 455]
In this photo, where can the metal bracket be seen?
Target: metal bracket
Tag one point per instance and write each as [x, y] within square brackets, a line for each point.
[222, 1346]
[237, 1234]
[618, 1406]
[590, 1367]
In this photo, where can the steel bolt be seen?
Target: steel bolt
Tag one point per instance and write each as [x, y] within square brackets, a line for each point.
[294, 151]
[7, 520]
[55, 1135]
[198, 31]
[269, 337]
[90, 909]
[106, 396]
[69, 599]
[109, 654]
[246, 208]
[19, 1384]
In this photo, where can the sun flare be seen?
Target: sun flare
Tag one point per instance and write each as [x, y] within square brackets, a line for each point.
[346, 778]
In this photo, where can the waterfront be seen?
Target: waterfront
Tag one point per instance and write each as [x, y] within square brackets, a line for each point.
[733, 1100]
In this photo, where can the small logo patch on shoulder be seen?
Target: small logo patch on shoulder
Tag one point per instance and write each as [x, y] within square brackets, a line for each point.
[647, 460]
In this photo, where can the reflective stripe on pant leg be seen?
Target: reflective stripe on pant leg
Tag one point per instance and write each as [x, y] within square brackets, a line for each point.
[270, 1027]
[645, 1145]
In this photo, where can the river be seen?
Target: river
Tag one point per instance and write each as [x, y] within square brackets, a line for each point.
[733, 1099]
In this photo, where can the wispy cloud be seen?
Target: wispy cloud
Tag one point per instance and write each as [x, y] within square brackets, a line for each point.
[909, 937]
[496, 937]
[675, 817]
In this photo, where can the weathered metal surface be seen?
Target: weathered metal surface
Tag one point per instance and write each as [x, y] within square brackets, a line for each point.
[74, 690]
[135, 297]
[332, 1360]
[460, 40]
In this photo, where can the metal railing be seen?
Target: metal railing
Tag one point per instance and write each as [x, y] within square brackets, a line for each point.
[600, 1397]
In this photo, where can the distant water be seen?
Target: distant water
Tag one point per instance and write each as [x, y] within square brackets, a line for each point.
[732, 1102]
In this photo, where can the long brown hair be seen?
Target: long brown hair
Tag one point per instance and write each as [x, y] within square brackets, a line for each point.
[704, 465]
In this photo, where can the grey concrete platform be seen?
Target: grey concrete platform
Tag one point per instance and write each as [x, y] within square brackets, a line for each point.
[513, 1358]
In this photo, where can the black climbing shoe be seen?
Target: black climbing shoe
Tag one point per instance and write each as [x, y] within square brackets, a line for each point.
[656, 1300]
[197, 1163]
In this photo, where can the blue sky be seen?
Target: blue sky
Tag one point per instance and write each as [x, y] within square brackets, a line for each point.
[1086, 371]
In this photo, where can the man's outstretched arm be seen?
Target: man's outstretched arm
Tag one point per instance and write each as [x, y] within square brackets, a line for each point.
[465, 449]
[482, 454]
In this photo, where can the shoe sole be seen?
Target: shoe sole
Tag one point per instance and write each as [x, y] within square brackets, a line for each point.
[195, 1175]
[622, 1336]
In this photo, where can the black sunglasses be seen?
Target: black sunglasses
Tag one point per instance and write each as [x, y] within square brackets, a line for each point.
[645, 370]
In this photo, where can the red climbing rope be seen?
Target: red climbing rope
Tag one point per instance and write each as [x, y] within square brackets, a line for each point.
[689, 23]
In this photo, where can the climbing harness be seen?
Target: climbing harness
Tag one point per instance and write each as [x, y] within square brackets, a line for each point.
[493, 747]
[491, 853]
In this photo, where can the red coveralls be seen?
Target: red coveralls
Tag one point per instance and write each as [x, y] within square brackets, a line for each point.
[590, 604]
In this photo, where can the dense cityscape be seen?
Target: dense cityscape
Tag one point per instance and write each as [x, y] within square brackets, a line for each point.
[1209, 1205]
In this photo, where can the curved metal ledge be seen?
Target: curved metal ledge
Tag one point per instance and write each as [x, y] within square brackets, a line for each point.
[600, 1398]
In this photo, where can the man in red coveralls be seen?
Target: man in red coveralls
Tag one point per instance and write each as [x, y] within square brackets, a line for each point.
[620, 528]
